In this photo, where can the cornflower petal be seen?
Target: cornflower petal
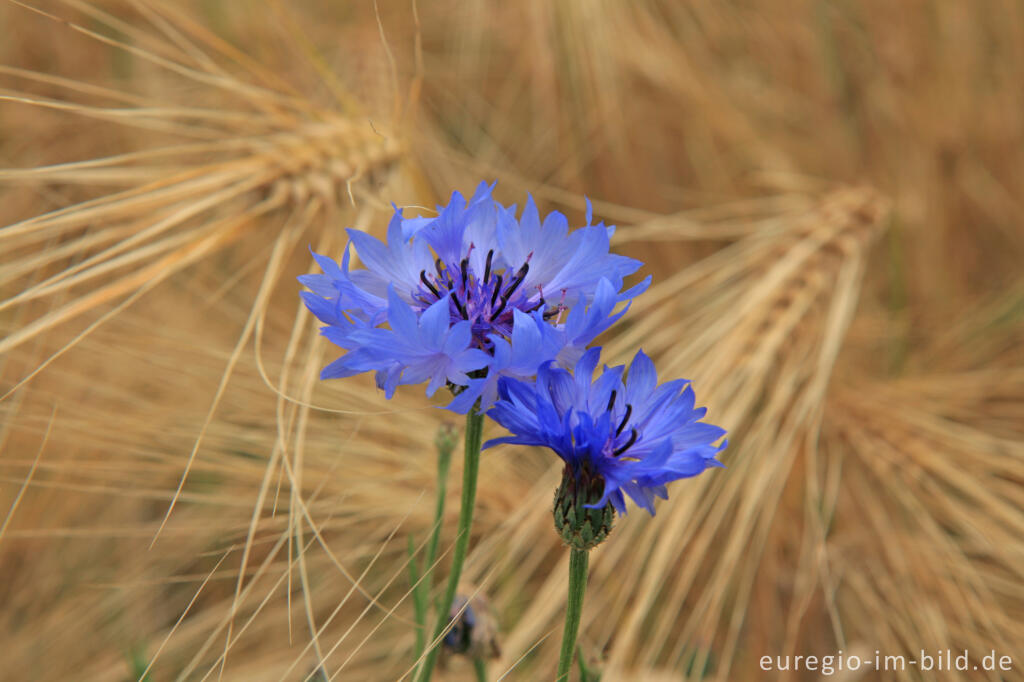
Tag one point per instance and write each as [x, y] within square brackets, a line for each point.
[401, 317]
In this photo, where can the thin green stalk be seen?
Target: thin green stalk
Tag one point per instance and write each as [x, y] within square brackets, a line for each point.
[444, 460]
[584, 673]
[420, 597]
[418, 604]
[480, 666]
[474, 436]
[578, 560]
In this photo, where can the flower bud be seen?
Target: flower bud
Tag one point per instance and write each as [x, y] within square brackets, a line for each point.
[446, 438]
[579, 526]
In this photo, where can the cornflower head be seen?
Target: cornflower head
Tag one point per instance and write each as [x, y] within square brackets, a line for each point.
[470, 296]
[617, 437]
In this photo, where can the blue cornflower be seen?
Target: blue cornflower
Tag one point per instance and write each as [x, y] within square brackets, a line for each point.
[616, 437]
[469, 296]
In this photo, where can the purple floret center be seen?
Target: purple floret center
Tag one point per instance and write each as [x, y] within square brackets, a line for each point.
[487, 302]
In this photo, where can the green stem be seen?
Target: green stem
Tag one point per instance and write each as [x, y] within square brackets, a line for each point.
[421, 592]
[480, 666]
[573, 609]
[444, 459]
[474, 436]
[418, 603]
[584, 673]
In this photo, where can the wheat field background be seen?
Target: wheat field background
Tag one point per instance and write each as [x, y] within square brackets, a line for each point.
[827, 194]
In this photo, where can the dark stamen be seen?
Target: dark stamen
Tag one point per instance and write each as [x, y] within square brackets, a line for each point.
[520, 276]
[622, 424]
[461, 308]
[611, 402]
[540, 304]
[553, 312]
[443, 275]
[464, 269]
[497, 290]
[632, 439]
[487, 267]
[504, 302]
[426, 282]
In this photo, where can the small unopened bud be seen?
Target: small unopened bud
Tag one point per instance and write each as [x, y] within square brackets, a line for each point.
[579, 526]
[474, 632]
[446, 438]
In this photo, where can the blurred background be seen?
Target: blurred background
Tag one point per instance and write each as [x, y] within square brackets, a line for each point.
[827, 195]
